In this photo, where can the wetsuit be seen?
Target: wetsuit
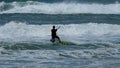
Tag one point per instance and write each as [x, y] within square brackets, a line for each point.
[54, 35]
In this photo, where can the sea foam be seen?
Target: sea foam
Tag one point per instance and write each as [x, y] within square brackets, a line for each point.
[19, 30]
[58, 8]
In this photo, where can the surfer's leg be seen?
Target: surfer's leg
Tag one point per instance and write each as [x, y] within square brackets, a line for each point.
[58, 38]
[53, 39]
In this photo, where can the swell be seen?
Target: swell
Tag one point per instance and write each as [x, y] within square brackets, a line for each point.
[51, 46]
[39, 19]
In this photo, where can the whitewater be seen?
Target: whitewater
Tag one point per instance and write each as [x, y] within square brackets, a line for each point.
[15, 30]
[58, 8]
[90, 45]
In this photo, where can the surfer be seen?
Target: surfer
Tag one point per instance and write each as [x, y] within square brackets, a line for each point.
[54, 34]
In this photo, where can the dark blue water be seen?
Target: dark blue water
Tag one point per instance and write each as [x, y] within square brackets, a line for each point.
[61, 18]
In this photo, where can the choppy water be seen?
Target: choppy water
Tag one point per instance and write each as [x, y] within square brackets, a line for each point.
[91, 29]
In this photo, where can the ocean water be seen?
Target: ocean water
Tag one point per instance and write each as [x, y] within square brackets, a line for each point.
[91, 29]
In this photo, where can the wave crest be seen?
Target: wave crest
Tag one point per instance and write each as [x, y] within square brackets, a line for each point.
[58, 8]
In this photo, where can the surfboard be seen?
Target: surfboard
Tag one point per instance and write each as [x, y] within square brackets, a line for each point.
[63, 42]
[56, 41]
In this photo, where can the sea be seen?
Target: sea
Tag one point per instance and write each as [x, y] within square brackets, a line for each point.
[89, 28]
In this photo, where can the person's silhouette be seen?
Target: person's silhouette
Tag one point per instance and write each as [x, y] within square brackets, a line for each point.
[54, 34]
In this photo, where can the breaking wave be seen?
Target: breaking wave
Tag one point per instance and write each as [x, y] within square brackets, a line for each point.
[21, 31]
[58, 8]
[19, 35]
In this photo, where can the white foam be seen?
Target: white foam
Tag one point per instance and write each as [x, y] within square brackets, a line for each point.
[60, 8]
[21, 31]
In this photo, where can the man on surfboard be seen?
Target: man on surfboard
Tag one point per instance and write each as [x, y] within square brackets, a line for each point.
[54, 34]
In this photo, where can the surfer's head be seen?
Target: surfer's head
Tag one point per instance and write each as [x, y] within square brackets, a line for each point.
[53, 27]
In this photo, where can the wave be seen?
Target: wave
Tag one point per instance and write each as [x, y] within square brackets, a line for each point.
[36, 46]
[19, 31]
[49, 51]
[22, 36]
[58, 8]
